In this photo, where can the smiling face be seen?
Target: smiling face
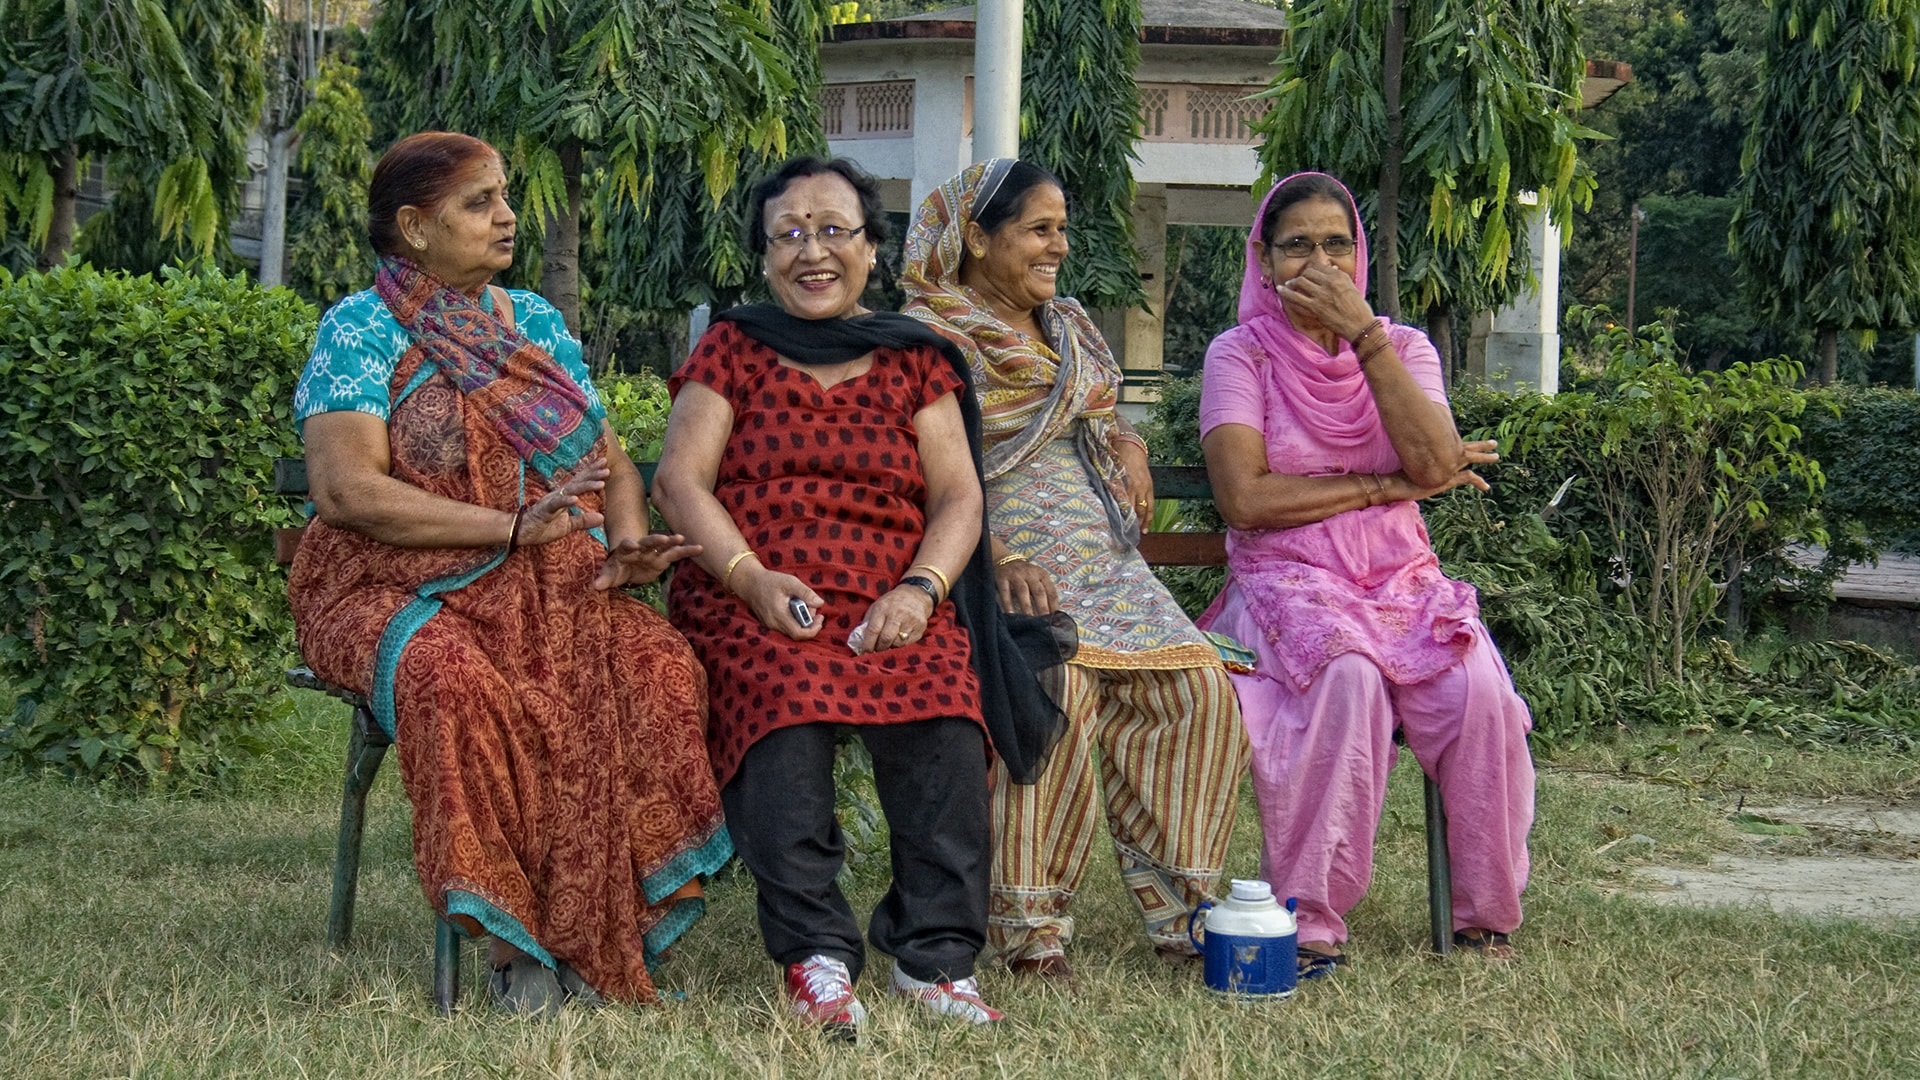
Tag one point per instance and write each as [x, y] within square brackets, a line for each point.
[1316, 221]
[812, 280]
[468, 238]
[1015, 267]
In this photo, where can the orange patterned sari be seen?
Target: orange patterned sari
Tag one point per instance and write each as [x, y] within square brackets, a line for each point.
[551, 737]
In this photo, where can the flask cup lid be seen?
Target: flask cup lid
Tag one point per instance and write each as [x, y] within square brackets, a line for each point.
[1251, 891]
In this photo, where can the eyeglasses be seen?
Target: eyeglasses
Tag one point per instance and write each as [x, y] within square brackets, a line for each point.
[831, 237]
[1300, 247]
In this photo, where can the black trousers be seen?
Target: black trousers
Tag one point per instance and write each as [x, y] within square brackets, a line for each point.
[932, 780]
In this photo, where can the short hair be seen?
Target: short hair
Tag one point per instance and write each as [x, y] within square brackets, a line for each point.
[420, 170]
[872, 215]
[1009, 200]
[1303, 188]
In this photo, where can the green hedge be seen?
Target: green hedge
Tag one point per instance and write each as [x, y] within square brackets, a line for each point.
[1868, 439]
[140, 609]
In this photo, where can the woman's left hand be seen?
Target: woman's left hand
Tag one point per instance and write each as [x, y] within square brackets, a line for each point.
[1139, 481]
[636, 562]
[898, 618]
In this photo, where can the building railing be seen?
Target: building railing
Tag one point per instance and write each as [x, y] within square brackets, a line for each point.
[1169, 112]
[870, 110]
[1199, 113]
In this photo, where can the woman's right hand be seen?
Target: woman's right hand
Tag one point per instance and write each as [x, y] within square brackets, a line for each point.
[551, 516]
[1026, 589]
[769, 594]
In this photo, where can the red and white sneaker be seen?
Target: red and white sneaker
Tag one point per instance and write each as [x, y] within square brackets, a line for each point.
[959, 999]
[820, 991]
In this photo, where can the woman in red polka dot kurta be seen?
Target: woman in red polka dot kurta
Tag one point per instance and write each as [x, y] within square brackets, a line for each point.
[823, 483]
[825, 469]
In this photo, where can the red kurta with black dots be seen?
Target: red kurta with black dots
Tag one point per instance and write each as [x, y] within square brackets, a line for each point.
[825, 484]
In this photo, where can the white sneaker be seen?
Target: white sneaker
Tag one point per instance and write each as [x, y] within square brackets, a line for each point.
[960, 998]
[820, 990]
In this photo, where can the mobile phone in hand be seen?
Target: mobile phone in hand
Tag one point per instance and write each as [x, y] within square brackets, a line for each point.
[801, 613]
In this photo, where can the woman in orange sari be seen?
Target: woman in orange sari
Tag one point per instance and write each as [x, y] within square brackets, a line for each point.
[476, 518]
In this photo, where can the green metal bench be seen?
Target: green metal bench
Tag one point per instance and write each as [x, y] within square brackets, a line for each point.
[366, 749]
[1190, 483]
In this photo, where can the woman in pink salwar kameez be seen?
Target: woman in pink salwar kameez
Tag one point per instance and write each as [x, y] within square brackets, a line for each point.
[1324, 425]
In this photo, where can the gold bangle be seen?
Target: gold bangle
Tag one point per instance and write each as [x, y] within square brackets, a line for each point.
[946, 584]
[1013, 558]
[726, 576]
[1129, 437]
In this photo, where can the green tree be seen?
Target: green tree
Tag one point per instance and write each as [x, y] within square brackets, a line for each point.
[80, 78]
[1826, 233]
[330, 255]
[1080, 116]
[563, 85]
[682, 245]
[1451, 111]
[165, 213]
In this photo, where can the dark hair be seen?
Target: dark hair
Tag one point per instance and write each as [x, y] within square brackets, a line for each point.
[872, 215]
[1010, 198]
[419, 170]
[1303, 189]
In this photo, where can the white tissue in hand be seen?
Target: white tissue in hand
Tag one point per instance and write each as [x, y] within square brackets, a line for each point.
[857, 640]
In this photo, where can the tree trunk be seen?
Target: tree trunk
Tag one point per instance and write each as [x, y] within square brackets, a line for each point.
[560, 253]
[1829, 356]
[65, 167]
[1386, 262]
[273, 220]
[1440, 330]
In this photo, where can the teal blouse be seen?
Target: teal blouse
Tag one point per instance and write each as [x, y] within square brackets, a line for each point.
[360, 342]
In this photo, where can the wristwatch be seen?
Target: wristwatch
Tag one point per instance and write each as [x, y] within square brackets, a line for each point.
[921, 582]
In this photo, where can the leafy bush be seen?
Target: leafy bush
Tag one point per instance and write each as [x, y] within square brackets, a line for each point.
[1679, 467]
[138, 596]
[637, 407]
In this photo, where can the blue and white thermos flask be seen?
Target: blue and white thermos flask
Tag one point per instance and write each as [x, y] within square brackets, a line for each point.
[1251, 943]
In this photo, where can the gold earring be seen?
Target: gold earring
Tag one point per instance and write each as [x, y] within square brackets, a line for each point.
[979, 253]
[419, 244]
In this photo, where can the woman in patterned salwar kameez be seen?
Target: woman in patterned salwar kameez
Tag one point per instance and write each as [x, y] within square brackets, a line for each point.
[1068, 492]
[476, 519]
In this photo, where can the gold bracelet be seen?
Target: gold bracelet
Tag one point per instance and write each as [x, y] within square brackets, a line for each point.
[1013, 558]
[1128, 437]
[726, 576]
[946, 584]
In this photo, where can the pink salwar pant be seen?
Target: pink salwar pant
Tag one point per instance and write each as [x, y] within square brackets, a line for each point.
[1320, 764]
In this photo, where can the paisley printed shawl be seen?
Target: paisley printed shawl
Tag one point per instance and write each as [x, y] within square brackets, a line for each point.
[513, 383]
[1031, 392]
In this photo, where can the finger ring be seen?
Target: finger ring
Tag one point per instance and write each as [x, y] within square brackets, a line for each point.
[901, 636]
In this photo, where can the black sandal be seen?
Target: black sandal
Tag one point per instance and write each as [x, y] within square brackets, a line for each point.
[1317, 965]
[1488, 943]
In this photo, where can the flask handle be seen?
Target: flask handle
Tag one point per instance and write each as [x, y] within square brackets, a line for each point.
[1205, 906]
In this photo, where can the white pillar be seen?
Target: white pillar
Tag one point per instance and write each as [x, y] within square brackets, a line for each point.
[996, 78]
[1523, 345]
